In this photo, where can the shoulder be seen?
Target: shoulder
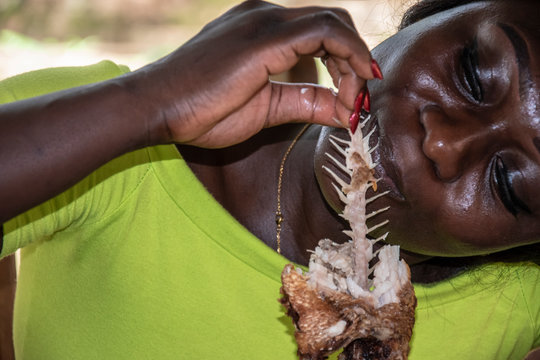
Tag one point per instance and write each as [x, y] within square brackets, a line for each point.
[98, 196]
[43, 81]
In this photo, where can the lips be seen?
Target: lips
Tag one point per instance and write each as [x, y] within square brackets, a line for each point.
[385, 170]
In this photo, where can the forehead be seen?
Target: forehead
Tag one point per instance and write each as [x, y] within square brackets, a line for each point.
[520, 23]
[523, 12]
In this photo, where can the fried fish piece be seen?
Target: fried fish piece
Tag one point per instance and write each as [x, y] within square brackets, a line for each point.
[352, 297]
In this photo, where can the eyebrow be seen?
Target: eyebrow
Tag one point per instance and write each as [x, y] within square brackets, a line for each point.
[523, 61]
[522, 56]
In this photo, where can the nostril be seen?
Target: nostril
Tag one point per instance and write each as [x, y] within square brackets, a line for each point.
[440, 144]
[442, 156]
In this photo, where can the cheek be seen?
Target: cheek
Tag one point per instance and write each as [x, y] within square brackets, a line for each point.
[450, 225]
[441, 219]
[473, 218]
[478, 235]
[436, 218]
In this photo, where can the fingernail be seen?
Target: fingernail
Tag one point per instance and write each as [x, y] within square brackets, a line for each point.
[376, 70]
[367, 101]
[353, 121]
[359, 102]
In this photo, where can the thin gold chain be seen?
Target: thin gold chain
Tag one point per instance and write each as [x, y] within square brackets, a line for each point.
[279, 214]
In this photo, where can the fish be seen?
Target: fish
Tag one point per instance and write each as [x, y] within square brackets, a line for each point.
[353, 298]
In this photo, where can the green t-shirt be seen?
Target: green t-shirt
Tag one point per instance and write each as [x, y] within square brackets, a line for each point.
[138, 261]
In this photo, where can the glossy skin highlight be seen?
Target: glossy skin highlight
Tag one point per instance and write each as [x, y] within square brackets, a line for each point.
[442, 151]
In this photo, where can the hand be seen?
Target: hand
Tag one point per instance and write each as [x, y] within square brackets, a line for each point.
[215, 90]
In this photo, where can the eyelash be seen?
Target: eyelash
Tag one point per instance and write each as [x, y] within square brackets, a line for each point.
[504, 188]
[501, 178]
[469, 64]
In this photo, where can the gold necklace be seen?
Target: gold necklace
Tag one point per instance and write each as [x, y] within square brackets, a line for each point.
[279, 214]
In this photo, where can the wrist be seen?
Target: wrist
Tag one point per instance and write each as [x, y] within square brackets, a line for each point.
[148, 107]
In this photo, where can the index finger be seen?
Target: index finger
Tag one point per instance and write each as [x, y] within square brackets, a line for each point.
[322, 32]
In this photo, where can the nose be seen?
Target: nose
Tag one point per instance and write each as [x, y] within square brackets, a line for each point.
[452, 144]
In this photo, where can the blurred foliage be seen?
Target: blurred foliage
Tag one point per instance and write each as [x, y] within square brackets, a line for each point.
[109, 20]
[124, 20]
[15, 40]
[44, 33]
[8, 8]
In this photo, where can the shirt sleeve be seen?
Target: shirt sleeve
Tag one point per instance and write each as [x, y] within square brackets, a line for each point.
[44, 81]
[76, 204]
[96, 197]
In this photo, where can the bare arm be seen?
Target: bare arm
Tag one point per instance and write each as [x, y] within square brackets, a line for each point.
[50, 142]
[214, 91]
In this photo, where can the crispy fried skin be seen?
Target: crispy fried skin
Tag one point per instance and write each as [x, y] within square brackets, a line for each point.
[366, 333]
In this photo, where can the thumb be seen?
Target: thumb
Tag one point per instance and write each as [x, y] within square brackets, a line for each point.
[305, 103]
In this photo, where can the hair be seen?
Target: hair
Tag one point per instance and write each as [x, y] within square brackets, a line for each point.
[440, 268]
[425, 8]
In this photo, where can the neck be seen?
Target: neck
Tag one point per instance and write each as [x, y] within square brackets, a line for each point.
[254, 166]
[307, 216]
[243, 179]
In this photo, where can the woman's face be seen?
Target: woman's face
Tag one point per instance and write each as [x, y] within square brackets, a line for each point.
[459, 129]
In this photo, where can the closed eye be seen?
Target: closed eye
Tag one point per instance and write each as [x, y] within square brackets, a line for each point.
[469, 62]
[504, 189]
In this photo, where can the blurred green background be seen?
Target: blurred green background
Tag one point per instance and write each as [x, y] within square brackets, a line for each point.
[44, 33]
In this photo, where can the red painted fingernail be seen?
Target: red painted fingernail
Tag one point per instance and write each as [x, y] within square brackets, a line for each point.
[376, 70]
[359, 100]
[353, 121]
[367, 101]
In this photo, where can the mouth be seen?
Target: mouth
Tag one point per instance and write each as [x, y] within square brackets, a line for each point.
[385, 170]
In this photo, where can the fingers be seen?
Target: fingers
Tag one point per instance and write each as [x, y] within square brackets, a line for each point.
[325, 33]
[294, 13]
[278, 37]
[348, 85]
[302, 103]
[328, 33]
[272, 39]
[275, 104]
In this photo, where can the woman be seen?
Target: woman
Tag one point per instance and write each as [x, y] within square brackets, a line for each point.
[137, 260]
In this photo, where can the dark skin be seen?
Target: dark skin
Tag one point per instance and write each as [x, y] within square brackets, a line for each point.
[448, 152]
[187, 97]
[448, 198]
[433, 183]
[208, 106]
[456, 145]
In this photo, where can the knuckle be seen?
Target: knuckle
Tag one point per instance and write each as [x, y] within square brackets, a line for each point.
[327, 20]
[252, 4]
[265, 29]
[343, 13]
[265, 22]
[327, 16]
